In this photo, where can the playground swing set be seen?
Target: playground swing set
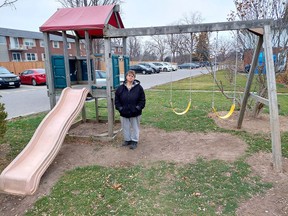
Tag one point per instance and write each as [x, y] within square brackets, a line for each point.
[22, 175]
[233, 106]
[214, 70]
[175, 110]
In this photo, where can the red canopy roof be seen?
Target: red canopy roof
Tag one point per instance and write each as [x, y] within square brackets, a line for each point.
[79, 19]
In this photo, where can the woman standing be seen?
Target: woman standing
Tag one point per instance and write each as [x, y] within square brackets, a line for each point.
[129, 101]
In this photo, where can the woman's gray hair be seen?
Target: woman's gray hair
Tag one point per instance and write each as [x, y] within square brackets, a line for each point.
[132, 72]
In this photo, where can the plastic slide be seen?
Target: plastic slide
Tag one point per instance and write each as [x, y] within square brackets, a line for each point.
[22, 175]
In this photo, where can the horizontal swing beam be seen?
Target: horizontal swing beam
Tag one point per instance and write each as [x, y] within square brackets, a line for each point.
[259, 99]
[179, 29]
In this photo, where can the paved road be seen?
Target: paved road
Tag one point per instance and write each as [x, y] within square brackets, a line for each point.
[28, 99]
[25, 100]
[148, 81]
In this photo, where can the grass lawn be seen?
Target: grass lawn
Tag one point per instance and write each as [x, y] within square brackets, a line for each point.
[201, 188]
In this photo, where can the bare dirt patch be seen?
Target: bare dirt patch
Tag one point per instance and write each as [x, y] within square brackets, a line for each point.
[155, 145]
[275, 200]
[260, 124]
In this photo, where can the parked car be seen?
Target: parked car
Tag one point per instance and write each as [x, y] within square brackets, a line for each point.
[166, 67]
[33, 76]
[174, 67]
[101, 78]
[187, 66]
[8, 79]
[148, 66]
[197, 64]
[141, 69]
[157, 65]
[155, 69]
[205, 64]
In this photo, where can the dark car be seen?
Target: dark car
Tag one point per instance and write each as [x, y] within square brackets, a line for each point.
[187, 66]
[33, 76]
[247, 68]
[8, 79]
[141, 69]
[155, 69]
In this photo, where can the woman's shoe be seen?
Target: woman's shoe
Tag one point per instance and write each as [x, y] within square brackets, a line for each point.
[126, 143]
[133, 145]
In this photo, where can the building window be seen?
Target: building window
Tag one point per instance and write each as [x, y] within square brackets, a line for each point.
[29, 42]
[14, 43]
[42, 43]
[2, 40]
[31, 57]
[119, 49]
[68, 45]
[16, 57]
[56, 44]
[43, 56]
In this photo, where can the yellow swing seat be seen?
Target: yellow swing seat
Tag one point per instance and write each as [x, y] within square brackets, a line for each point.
[227, 115]
[180, 113]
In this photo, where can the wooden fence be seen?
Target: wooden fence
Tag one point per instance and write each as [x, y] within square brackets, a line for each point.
[18, 67]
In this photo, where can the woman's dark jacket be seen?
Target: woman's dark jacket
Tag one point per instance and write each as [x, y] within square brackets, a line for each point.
[130, 103]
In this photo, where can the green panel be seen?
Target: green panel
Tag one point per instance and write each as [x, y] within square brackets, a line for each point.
[116, 71]
[126, 64]
[85, 71]
[58, 67]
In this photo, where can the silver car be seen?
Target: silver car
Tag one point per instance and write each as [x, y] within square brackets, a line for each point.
[101, 78]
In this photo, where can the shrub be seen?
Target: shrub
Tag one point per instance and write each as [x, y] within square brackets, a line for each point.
[3, 116]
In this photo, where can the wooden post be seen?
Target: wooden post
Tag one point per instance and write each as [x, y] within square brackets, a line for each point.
[97, 109]
[110, 105]
[66, 59]
[124, 41]
[249, 82]
[272, 97]
[49, 71]
[124, 51]
[78, 55]
[88, 52]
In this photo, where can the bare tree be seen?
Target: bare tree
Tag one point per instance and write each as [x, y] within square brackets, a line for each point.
[159, 44]
[174, 43]
[134, 48]
[262, 9]
[202, 47]
[6, 3]
[186, 43]
[149, 52]
[87, 3]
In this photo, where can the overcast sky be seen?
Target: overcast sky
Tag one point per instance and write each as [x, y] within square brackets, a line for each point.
[31, 14]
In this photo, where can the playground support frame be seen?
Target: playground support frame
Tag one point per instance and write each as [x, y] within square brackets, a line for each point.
[261, 28]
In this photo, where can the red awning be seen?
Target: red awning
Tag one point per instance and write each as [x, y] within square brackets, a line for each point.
[79, 19]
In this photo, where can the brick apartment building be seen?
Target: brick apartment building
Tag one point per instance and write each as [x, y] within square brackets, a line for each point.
[22, 46]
